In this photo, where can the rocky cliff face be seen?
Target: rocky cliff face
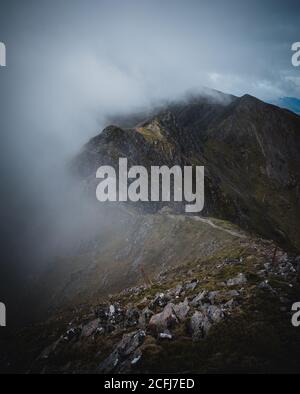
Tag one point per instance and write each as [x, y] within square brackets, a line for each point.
[250, 151]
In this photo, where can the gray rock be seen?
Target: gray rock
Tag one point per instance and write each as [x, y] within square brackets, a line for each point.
[166, 319]
[125, 352]
[160, 300]
[230, 304]
[182, 309]
[90, 328]
[199, 298]
[233, 293]
[212, 295]
[165, 335]
[145, 317]
[215, 314]
[238, 280]
[130, 342]
[192, 285]
[132, 317]
[200, 325]
[136, 357]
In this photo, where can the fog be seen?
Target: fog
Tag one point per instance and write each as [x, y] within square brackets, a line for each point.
[71, 64]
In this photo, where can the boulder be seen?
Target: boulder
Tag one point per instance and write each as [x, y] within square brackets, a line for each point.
[132, 317]
[160, 300]
[145, 317]
[164, 320]
[199, 325]
[215, 313]
[199, 298]
[125, 353]
[182, 309]
[192, 285]
[212, 295]
[90, 328]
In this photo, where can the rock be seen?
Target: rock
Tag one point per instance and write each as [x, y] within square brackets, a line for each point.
[110, 363]
[102, 312]
[112, 310]
[238, 280]
[160, 300]
[145, 317]
[230, 304]
[125, 349]
[116, 315]
[136, 357]
[99, 331]
[215, 314]
[130, 342]
[181, 310]
[199, 298]
[166, 319]
[212, 295]
[233, 293]
[176, 291]
[90, 328]
[199, 325]
[165, 335]
[132, 317]
[72, 334]
[192, 285]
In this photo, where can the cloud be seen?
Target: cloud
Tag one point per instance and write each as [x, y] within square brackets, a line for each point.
[73, 63]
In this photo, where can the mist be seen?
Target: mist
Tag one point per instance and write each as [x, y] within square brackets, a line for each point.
[73, 64]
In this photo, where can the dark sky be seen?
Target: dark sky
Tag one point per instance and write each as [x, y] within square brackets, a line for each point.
[71, 62]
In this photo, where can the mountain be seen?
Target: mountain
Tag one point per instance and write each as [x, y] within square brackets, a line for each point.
[250, 150]
[165, 294]
[291, 103]
[157, 290]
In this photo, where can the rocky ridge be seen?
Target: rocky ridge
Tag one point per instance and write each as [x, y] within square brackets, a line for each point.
[215, 315]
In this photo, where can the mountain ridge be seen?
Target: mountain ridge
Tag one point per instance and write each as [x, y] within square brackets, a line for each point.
[249, 149]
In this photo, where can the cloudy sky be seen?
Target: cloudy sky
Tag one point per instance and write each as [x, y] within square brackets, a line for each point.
[72, 62]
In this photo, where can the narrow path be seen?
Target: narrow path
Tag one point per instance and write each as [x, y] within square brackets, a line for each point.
[208, 221]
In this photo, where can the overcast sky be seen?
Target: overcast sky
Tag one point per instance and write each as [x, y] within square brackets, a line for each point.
[71, 62]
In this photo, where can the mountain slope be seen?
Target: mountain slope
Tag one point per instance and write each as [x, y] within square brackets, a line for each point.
[250, 151]
[156, 290]
[290, 103]
[228, 311]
